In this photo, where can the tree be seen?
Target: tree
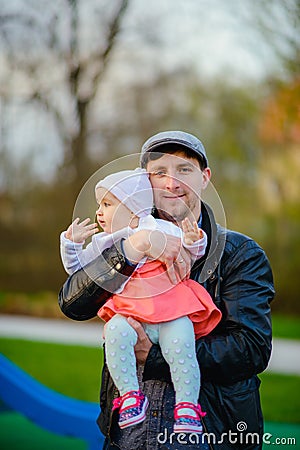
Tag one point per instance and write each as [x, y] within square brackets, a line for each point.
[278, 175]
[58, 55]
[277, 24]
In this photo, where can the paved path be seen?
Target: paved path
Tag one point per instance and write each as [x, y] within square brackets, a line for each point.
[285, 355]
[87, 333]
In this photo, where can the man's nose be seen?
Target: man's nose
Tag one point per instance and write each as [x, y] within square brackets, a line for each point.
[172, 182]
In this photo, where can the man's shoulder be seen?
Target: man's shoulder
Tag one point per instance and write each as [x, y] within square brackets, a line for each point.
[237, 242]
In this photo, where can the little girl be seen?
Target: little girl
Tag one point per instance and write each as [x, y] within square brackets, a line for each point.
[172, 315]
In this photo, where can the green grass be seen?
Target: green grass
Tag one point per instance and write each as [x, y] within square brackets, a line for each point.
[75, 371]
[17, 432]
[71, 370]
[287, 327]
[280, 397]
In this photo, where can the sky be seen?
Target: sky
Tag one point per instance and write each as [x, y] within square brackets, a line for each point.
[208, 34]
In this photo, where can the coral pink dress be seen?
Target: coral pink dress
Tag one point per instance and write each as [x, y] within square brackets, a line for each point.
[150, 297]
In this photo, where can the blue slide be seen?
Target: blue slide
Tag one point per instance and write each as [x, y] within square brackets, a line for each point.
[48, 409]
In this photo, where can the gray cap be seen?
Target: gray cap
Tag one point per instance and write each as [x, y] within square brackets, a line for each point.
[175, 137]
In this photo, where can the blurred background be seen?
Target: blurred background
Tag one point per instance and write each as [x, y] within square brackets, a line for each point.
[85, 82]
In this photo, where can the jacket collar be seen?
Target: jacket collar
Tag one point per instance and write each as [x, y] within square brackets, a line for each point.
[215, 245]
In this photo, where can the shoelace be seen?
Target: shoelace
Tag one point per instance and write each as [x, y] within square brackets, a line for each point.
[196, 408]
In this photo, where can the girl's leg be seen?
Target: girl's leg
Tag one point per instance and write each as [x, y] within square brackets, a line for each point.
[120, 339]
[177, 342]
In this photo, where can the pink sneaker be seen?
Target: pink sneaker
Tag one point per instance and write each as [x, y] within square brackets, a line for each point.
[133, 406]
[188, 418]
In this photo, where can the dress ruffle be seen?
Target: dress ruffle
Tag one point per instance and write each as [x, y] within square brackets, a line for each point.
[150, 297]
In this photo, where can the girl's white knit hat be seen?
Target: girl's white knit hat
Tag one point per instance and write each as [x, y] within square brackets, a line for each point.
[132, 188]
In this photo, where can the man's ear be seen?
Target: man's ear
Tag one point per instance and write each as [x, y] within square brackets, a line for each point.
[206, 177]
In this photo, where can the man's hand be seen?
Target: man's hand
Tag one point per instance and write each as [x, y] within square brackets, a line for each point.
[157, 245]
[143, 345]
[79, 232]
[168, 249]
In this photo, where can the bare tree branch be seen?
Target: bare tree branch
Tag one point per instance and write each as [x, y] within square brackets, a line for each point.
[81, 69]
[114, 28]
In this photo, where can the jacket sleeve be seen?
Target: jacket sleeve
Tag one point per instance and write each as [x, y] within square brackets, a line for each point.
[240, 346]
[86, 290]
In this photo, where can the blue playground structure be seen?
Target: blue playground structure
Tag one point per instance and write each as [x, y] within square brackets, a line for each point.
[48, 409]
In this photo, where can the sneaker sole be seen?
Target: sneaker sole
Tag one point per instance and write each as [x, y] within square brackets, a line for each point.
[137, 419]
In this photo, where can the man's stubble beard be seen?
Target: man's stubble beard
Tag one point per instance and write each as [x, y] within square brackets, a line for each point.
[177, 214]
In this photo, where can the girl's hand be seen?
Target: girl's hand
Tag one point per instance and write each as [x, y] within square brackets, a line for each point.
[191, 232]
[160, 246]
[79, 231]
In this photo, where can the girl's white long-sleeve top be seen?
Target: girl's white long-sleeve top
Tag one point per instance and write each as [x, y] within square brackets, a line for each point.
[74, 255]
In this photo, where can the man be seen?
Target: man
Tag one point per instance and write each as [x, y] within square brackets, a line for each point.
[236, 273]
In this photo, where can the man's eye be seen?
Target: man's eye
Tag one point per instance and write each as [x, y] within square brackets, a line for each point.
[185, 169]
[159, 173]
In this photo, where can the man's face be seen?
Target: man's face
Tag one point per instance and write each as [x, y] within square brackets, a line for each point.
[177, 183]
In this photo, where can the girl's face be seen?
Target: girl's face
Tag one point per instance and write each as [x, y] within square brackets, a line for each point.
[111, 214]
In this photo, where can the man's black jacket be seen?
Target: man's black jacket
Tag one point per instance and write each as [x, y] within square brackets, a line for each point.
[237, 274]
